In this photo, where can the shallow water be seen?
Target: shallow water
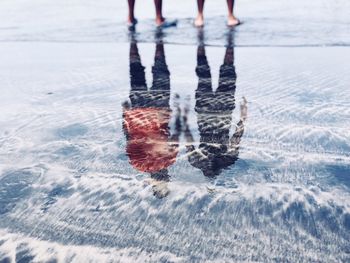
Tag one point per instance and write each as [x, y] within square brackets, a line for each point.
[121, 150]
[272, 23]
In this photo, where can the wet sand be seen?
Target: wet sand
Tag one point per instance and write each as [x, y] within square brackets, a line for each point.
[273, 23]
[137, 149]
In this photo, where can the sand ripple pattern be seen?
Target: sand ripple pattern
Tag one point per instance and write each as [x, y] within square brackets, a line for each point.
[68, 191]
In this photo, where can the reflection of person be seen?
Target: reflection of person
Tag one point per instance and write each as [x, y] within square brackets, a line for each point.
[150, 146]
[160, 20]
[231, 19]
[216, 150]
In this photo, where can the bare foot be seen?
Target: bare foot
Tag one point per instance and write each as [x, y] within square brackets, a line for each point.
[160, 21]
[199, 21]
[164, 23]
[232, 21]
[160, 189]
[131, 22]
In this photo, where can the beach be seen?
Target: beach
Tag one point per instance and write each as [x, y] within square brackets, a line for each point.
[266, 104]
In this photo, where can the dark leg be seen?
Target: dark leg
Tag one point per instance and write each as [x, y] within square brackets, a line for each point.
[229, 56]
[138, 92]
[204, 93]
[230, 4]
[137, 71]
[159, 15]
[227, 78]
[161, 79]
[232, 20]
[131, 15]
[161, 74]
[200, 18]
[203, 71]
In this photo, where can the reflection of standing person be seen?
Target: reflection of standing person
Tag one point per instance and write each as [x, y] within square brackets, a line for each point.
[160, 20]
[231, 19]
[216, 150]
[150, 146]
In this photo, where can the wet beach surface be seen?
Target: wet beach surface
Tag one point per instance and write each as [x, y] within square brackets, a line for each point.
[183, 145]
[273, 23]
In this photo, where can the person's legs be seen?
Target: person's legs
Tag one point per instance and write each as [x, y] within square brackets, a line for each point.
[160, 89]
[137, 71]
[160, 20]
[159, 16]
[131, 16]
[202, 68]
[204, 92]
[232, 20]
[227, 76]
[138, 92]
[200, 18]
[161, 74]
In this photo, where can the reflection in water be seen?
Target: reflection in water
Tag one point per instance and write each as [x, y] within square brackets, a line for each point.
[65, 174]
[216, 150]
[150, 145]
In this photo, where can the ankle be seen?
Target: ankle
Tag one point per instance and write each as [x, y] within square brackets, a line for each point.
[231, 16]
[200, 15]
[131, 18]
[159, 20]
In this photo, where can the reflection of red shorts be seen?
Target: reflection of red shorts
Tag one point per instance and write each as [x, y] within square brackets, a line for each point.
[148, 145]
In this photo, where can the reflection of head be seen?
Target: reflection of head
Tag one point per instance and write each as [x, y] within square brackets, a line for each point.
[159, 185]
[160, 189]
[212, 162]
